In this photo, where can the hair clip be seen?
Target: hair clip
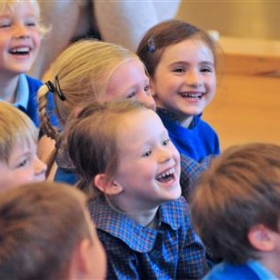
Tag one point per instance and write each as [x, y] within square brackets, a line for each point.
[58, 90]
[151, 45]
[50, 86]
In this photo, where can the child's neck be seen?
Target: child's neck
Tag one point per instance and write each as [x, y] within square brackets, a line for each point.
[153, 223]
[8, 89]
[146, 219]
[142, 213]
[271, 262]
[182, 119]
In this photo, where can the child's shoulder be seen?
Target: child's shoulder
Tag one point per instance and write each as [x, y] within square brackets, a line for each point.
[175, 212]
[179, 204]
[231, 272]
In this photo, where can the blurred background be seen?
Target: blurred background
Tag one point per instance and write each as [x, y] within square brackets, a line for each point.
[244, 18]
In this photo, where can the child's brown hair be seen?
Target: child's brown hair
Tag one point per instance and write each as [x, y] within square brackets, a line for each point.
[240, 190]
[95, 132]
[165, 34]
[41, 226]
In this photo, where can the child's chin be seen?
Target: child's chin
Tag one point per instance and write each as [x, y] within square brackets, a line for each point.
[176, 192]
[22, 69]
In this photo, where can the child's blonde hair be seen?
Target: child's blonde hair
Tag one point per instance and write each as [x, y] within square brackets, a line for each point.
[15, 128]
[11, 4]
[80, 75]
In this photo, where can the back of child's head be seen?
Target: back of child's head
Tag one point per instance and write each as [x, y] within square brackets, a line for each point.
[95, 131]
[240, 190]
[16, 128]
[12, 4]
[41, 225]
[165, 34]
[80, 75]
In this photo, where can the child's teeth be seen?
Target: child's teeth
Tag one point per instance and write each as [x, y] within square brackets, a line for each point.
[167, 173]
[20, 50]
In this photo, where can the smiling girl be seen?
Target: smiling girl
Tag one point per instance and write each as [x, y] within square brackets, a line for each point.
[131, 168]
[181, 60]
[89, 71]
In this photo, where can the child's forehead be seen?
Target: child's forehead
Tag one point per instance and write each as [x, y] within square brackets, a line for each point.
[134, 115]
[17, 143]
[25, 141]
[145, 121]
[193, 42]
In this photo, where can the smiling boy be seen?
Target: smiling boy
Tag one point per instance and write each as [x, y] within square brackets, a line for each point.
[20, 39]
[19, 162]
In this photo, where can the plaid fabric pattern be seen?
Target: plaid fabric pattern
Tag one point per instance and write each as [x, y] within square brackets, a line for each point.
[172, 251]
[190, 171]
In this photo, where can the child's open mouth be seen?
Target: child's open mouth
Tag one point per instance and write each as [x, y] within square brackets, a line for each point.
[192, 96]
[20, 51]
[166, 176]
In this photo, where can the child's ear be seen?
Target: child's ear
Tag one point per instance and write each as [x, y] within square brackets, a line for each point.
[262, 238]
[80, 261]
[107, 186]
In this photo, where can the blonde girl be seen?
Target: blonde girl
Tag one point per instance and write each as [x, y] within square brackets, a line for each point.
[88, 71]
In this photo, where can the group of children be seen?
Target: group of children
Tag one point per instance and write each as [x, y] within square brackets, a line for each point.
[128, 133]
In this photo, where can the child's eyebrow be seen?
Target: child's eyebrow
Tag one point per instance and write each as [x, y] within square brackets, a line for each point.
[179, 62]
[22, 155]
[5, 16]
[210, 62]
[33, 15]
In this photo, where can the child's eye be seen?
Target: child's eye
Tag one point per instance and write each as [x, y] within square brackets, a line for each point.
[165, 142]
[131, 95]
[147, 88]
[206, 69]
[22, 163]
[31, 23]
[5, 25]
[179, 70]
[147, 153]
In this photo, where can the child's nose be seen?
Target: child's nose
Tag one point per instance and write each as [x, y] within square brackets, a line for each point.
[147, 99]
[21, 31]
[193, 78]
[40, 168]
[165, 155]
